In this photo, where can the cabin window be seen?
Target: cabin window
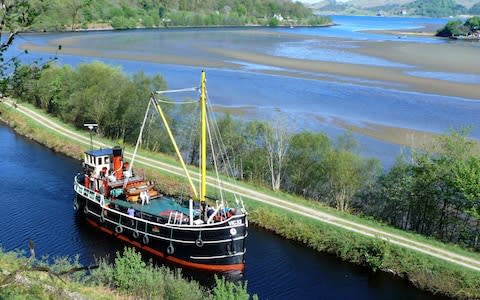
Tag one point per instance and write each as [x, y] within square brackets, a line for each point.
[106, 160]
[86, 158]
[91, 160]
[99, 161]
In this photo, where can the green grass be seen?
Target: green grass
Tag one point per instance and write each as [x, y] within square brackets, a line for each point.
[300, 226]
[130, 277]
[259, 188]
[425, 272]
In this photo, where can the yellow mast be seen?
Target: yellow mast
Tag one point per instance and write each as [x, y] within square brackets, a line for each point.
[203, 146]
[174, 143]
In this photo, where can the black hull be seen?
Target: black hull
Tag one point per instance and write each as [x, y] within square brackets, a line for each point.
[217, 247]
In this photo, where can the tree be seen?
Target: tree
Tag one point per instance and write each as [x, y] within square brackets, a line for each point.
[15, 16]
[346, 173]
[276, 141]
[73, 9]
[274, 22]
[436, 193]
[473, 23]
[254, 156]
[304, 168]
[452, 28]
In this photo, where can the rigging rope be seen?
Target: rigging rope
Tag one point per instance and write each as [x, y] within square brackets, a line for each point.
[192, 89]
[219, 182]
[139, 140]
[177, 102]
[223, 149]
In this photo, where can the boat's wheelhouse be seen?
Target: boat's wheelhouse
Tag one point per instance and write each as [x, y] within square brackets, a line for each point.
[105, 162]
[96, 161]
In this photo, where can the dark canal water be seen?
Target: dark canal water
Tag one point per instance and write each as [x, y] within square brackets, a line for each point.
[36, 189]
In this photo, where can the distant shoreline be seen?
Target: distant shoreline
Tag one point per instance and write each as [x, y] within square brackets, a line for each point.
[427, 30]
[401, 33]
[110, 28]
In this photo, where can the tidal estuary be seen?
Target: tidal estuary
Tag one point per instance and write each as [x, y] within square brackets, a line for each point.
[391, 91]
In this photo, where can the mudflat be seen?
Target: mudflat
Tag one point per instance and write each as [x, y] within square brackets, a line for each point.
[442, 57]
[234, 48]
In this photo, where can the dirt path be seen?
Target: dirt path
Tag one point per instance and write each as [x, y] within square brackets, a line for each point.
[271, 200]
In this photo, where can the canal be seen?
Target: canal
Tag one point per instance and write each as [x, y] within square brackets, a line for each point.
[36, 187]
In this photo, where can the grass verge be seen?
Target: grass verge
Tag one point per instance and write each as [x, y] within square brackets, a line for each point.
[129, 277]
[423, 271]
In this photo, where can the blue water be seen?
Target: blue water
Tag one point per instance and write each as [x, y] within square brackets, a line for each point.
[36, 185]
[355, 27]
[303, 101]
[448, 76]
[330, 51]
[307, 103]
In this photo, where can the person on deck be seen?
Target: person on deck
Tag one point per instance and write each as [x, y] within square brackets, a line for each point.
[131, 211]
[145, 197]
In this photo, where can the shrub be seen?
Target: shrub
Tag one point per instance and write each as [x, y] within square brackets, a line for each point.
[226, 290]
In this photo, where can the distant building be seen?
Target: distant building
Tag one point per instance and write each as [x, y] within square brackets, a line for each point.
[278, 17]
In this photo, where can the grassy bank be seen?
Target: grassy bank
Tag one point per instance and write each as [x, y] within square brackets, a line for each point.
[423, 271]
[128, 278]
[171, 183]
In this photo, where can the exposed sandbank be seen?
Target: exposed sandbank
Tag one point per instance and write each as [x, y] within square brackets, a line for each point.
[395, 75]
[432, 57]
[427, 57]
[396, 135]
[444, 57]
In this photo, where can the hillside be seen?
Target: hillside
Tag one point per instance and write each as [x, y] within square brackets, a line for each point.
[431, 8]
[72, 15]
[435, 8]
[375, 3]
[475, 10]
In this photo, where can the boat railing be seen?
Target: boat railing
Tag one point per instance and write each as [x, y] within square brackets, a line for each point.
[88, 193]
[100, 200]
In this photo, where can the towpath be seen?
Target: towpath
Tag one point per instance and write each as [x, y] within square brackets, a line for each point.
[321, 216]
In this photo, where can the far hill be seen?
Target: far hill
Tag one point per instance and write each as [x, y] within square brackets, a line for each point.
[84, 14]
[475, 10]
[376, 3]
[435, 8]
[431, 8]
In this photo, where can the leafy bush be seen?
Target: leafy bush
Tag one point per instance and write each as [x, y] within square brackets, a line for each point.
[226, 290]
[452, 28]
[273, 22]
[131, 275]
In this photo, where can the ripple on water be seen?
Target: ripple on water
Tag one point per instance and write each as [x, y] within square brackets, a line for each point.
[317, 50]
[448, 76]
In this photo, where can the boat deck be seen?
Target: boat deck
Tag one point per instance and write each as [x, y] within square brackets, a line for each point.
[155, 207]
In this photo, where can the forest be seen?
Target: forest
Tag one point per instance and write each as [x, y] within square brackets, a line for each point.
[459, 28]
[428, 8]
[56, 15]
[434, 191]
[435, 8]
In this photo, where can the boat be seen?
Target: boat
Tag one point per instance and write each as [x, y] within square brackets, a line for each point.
[195, 232]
